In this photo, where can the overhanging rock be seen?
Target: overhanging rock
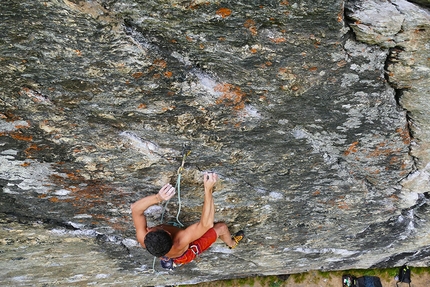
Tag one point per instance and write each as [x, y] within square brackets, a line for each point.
[320, 140]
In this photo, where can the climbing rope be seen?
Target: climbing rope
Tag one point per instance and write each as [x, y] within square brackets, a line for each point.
[185, 152]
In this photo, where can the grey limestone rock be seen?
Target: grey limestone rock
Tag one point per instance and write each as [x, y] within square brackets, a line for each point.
[313, 113]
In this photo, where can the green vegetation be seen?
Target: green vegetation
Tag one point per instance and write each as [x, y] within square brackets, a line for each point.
[420, 270]
[386, 274]
[246, 281]
[274, 282]
[299, 277]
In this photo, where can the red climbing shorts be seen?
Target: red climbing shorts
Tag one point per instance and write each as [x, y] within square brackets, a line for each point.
[197, 247]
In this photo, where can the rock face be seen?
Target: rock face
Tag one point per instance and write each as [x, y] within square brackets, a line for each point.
[314, 114]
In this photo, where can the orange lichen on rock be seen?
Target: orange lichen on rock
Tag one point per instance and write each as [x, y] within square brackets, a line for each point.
[117, 225]
[74, 176]
[20, 127]
[223, 12]
[250, 25]
[394, 160]
[160, 63]
[231, 96]
[137, 75]
[342, 205]
[54, 199]
[404, 133]
[86, 194]
[352, 148]
[278, 40]
[341, 13]
[19, 136]
[382, 149]
[170, 108]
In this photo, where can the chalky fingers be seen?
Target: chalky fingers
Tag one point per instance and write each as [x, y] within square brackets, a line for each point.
[167, 192]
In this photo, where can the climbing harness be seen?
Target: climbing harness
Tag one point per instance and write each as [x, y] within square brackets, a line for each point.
[195, 249]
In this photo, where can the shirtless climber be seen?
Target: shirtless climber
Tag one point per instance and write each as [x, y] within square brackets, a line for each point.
[175, 245]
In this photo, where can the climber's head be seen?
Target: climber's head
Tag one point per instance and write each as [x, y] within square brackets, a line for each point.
[158, 242]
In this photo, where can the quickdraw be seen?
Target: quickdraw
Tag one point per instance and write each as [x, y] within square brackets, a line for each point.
[185, 153]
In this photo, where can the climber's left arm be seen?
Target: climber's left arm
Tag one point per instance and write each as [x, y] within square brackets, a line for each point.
[138, 208]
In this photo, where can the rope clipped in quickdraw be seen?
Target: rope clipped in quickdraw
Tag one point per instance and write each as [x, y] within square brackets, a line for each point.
[185, 152]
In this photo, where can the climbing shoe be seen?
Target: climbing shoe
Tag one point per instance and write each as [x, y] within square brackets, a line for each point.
[237, 238]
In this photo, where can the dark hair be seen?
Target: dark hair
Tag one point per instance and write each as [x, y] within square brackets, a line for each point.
[158, 242]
